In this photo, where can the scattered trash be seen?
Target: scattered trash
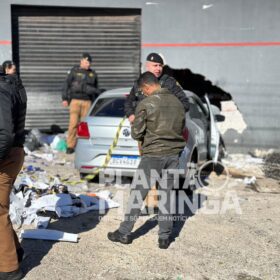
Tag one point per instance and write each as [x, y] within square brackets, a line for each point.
[17, 208]
[39, 198]
[249, 181]
[31, 168]
[48, 157]
[56, 129]
[59, 143]
[33, 140]
[39, 194]
[47, 234]
[47, 139]
[42, 222]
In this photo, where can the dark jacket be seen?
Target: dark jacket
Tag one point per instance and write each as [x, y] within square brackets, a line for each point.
[156, 125]
[80, 84]
[12, 113]
[167, 82]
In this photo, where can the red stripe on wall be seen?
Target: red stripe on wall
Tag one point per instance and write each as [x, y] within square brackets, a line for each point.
[232, 44]
[5, 42]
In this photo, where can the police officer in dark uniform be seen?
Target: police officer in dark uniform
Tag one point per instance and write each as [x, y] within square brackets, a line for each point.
[79, 91]
[13, 103]
[154, 64]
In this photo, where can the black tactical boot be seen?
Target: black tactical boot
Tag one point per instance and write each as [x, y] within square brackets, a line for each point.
[163, 243]
[116, 236]
[13, 275]
[70, 151]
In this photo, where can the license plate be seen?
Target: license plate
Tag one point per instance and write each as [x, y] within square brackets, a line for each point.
[124, 161]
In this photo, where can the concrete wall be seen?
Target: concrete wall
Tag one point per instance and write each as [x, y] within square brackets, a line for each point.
[250, 72]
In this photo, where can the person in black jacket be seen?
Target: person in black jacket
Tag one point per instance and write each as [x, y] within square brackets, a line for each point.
[13, 103]
[154, 64]
[79, 91]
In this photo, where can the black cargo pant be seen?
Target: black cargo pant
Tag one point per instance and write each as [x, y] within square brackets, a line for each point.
[142, 182]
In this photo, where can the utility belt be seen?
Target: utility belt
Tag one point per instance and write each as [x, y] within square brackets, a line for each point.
[82, 96]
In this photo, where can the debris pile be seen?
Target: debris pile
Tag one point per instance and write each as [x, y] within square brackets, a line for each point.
[39, 201]
[36, 139]
[272, 165]
[242, 166]
[41, 192]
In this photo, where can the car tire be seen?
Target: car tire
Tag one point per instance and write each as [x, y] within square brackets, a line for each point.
[192, 171]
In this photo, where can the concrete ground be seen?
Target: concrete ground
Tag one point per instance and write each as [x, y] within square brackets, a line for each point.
[229, 232]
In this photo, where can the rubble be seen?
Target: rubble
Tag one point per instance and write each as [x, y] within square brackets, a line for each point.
[259, 153]
[242, 166]
[233, 118]
[271, 166]
[253, 171]
[267, 186]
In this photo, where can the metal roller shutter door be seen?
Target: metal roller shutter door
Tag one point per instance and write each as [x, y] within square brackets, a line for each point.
[48, 46]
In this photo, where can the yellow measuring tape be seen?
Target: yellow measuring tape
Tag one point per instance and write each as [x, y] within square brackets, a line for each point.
[109, 153]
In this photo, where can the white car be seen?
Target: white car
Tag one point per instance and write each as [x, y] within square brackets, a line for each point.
[98, 131]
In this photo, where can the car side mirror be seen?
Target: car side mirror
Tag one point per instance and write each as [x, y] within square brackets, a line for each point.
[219, 118]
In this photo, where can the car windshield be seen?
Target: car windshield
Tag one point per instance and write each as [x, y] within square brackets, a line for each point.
[109, 107]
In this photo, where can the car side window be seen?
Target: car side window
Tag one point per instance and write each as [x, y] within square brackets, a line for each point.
[109, 107]
[202, 107]
[196, 111]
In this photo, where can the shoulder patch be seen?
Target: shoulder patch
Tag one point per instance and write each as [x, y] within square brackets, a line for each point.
[91, 75]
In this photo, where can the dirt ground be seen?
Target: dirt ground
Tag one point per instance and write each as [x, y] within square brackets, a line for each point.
[232, 234]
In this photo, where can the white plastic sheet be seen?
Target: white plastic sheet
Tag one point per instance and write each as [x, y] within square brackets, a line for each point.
[47, 234]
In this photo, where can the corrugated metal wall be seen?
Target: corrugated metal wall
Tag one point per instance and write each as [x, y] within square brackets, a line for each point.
[48, 46]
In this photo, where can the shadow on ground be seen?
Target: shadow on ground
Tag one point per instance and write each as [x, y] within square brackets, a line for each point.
[187, 204]
[36, 250]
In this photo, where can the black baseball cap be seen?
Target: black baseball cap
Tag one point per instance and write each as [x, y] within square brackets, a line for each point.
[87, 56]
[154, 57]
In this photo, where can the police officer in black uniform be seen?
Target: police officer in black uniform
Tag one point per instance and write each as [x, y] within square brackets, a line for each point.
[79, 91]
[81, 82]
[154, 64]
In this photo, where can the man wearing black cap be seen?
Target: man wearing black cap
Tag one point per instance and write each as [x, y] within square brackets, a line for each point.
[79, 91]
[154, 64]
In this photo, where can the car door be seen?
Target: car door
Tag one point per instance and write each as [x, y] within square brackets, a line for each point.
[198, 126]
[214, 134]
